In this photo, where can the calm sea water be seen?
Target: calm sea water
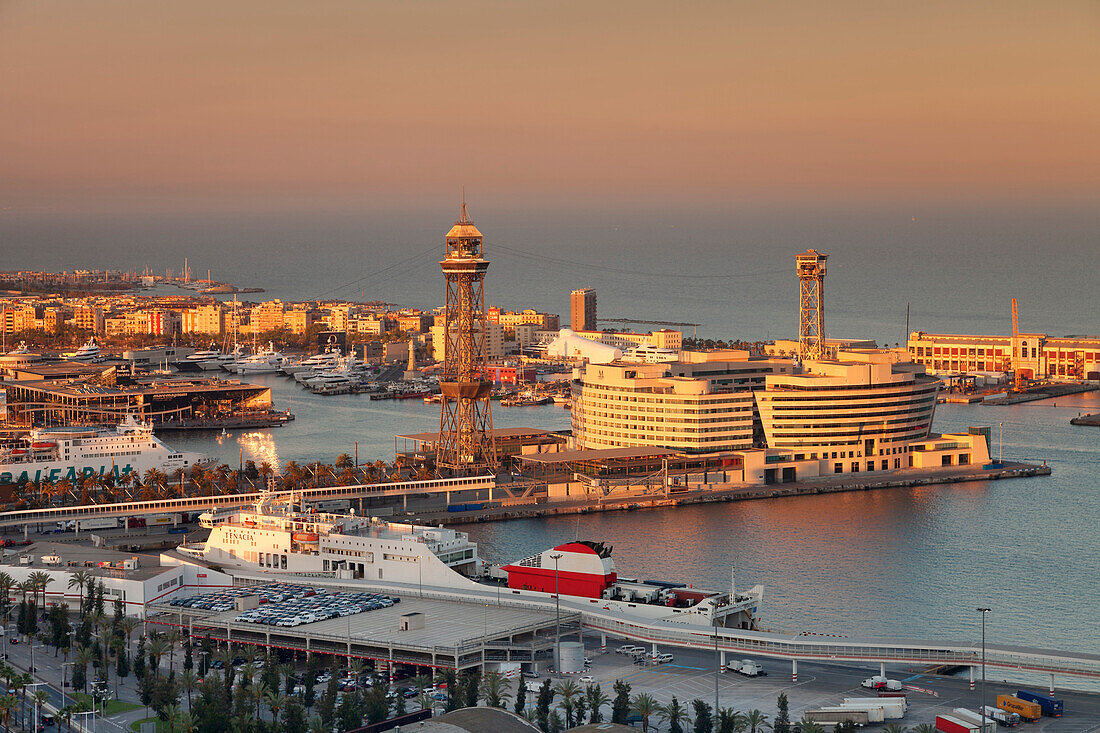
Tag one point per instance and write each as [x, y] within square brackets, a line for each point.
[902, 562]
[909, 562]
[731, 271]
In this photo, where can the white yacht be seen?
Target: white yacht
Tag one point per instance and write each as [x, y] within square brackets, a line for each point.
[265, 361]
[72, 452]
[328, 359]
[89, 352]
[336, 381]
[205, 359]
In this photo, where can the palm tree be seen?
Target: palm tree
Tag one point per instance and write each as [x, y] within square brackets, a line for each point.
[157, 647]
[731, 720]
[809, 726]
[674, 714]
[82, 658]
[40, 698]
[494, 689]
[172, 638]
[187, 723]
[6, 584]
[41, 580]
[80, 579]
[644, 705]
[316, 725]
[343, 460]
[188, 680]
[7, 708]
[567, 690]
[275, 700]
[128, 625]
[895, 728]
[596, 700]
[757, 720]
[925, 728]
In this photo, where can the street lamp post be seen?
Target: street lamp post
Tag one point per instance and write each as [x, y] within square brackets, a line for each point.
[717, 664]
[557, 614]
[983, 611]
[37, 705]
[88, 712]
[1001, 444]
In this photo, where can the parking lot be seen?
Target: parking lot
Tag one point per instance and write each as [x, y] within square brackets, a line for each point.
[288, 605]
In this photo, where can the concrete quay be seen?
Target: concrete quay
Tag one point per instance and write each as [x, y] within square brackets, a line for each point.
[708, 493]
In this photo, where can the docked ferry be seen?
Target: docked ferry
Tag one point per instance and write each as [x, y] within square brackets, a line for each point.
[277, 537]
[72, 452]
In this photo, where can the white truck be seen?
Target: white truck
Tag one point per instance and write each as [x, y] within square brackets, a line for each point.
[1003, 717]
[974, 718]
[878, 682]
[749, 668]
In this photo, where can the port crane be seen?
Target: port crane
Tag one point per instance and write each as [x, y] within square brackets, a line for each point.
[1017, 371]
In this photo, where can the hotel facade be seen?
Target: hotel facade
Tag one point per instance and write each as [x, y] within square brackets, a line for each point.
[862, 413]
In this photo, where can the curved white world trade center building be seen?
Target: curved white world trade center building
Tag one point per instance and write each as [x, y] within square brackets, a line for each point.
[849, 412]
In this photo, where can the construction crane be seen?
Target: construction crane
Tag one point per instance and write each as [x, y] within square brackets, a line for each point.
[1017, 367]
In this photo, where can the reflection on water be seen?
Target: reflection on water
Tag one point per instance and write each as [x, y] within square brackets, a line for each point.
[903, 562]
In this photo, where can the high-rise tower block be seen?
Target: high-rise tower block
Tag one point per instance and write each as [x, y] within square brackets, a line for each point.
[582, 310]
[810, 266]
[465, 422]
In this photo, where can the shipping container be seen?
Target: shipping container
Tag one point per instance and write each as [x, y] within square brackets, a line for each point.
[951, 724]
[159, 519]
[886, 713]
[1051, 706]
[177, 530]
[974, 717]
[837, 715]
[895, 707]
[1024, 708]
[1003, 717]
[98, 523]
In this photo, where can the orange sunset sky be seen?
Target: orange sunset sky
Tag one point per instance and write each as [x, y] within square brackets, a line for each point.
[137, 104]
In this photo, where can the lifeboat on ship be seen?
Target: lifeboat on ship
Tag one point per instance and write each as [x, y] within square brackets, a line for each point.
[19, 451]
[306, 537]
[249, 523]
[583, 569]
[43, 445]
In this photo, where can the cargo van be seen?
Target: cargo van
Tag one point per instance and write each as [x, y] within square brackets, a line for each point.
[664, 658]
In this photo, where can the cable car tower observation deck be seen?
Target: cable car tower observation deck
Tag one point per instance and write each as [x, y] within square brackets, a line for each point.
[465, 421]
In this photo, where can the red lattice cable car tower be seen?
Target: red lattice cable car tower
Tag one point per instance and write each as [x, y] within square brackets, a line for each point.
[465, 421]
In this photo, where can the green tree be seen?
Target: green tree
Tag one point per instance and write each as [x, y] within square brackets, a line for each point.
[620, 706]
[542, 706]
[782, 722]
[756, 720]
[494, 689]
[645, 706]
[810, 726]
[596, 701]
[704, 722]
[554, 723]
[521, 697]
[472, 688]
[567, 690]
[674, 714]
[294, 717]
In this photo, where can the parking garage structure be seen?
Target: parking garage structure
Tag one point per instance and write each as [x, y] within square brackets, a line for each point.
[421, 631]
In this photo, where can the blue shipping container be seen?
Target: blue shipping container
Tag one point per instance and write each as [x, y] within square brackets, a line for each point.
[177, 530]
[1051, 706]
[474, 507]
[456, 507]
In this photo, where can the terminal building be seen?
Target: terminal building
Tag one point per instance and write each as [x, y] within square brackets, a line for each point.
[777, 419]
[1033, 355]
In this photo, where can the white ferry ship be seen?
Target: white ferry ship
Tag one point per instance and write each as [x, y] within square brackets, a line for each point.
[72, 452]
[276, 538]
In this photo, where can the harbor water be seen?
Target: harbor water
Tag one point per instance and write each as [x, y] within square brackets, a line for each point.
[911, 562]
